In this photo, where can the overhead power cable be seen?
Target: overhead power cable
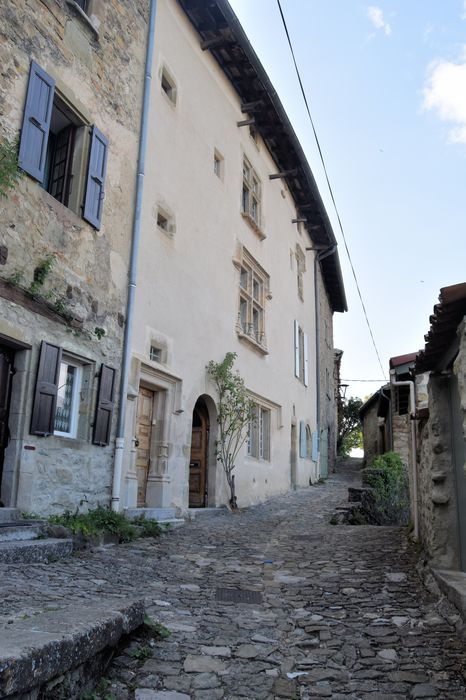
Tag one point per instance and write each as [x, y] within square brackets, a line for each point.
[329, 185]
[363, 380]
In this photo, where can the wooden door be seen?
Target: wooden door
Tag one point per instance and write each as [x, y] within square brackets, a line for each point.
[143, 435]
[6, 374]
[198, 461]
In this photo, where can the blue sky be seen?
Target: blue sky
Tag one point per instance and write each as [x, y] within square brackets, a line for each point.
[386, 84]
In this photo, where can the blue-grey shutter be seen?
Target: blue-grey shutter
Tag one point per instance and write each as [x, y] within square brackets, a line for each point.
[104, 407]
[296, 349]
[302, 439]
[36, 122]
[94, 196]
[315, 446]
[45, 395]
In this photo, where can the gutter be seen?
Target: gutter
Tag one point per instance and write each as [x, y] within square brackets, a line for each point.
[412, 397]
[132, 273]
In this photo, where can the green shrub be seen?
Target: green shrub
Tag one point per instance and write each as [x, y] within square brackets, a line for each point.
[391, 492]
[98, 521]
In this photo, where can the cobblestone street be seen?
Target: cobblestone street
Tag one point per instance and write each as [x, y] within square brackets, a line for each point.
[341, 612]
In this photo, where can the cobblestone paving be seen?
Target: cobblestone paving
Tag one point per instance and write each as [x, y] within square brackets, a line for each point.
[343, 612]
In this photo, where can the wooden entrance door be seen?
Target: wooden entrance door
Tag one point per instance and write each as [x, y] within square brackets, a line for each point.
[198, 461]
[144, 423]
[6, 374]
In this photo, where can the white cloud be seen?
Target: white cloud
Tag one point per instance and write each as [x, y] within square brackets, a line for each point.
[375, 15]
[445, 92]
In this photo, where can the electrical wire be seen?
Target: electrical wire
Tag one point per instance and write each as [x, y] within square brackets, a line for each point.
[363, 380]
[329, 185]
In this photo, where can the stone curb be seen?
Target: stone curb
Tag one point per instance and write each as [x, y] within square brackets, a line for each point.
[35, 650]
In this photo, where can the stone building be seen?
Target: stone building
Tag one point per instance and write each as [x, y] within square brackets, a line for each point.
[441, 433]
[237, 254]
[375, 415]
[70, 93]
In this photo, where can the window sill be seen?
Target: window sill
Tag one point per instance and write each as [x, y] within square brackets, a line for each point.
[251, 341]
[85, 18]
[252, 224]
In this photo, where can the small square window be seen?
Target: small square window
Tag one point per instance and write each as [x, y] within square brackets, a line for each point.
[162, 221]
[218, 164]
[168, 86]
[155, 353]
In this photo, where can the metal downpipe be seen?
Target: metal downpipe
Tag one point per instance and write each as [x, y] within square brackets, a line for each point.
[132, 273]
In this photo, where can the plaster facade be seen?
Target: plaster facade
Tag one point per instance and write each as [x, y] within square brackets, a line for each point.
[196, 244]
[96, 61]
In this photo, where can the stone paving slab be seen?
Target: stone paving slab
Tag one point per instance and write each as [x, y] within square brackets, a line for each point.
[343, 612]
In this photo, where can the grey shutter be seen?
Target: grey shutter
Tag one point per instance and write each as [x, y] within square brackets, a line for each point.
[45, 396]
[36, 122]
[104, 407]
[302, 440]
[315, 446]
[306, 360]
[296, 349]
[94, 196]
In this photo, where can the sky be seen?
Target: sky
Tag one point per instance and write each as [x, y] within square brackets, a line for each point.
[386, 84]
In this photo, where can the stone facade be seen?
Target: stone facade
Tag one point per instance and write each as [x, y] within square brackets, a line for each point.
[441, 460]
[328, 406]
[97, 62]
[225, 266]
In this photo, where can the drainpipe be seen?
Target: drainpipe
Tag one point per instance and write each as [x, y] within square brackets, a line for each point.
[412, 400]
[319, 256]
[390, 436]
[132, 273]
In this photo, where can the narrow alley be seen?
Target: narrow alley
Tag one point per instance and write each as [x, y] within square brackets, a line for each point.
[324, 611]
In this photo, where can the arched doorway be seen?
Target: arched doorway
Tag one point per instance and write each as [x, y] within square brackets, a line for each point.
[198, 463]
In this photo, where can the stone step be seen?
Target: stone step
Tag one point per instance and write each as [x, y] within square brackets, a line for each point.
[9, 515]
[51, 645]
[159, 514]
[356, 493]
[13, 532]
[206, 512]
[34, 551]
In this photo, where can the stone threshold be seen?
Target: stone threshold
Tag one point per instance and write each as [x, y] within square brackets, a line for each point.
[453, 585]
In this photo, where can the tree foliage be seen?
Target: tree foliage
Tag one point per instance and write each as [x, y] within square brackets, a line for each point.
[235, 411]
[349, 425]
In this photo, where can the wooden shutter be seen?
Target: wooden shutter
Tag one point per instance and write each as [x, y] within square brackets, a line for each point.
[306, 360]
[296, 349]
[94, 196]
[45, 396]
[104, 407]
[302, 439]
[36, 122]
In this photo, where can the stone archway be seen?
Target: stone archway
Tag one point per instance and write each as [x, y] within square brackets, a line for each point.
[203, 463]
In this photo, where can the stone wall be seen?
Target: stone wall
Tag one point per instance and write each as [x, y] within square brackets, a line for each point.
[370, 434]
[437, 488]
[97, 63]
[328, 408]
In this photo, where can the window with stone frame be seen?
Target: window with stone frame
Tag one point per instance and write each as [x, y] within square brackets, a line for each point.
[68, 393]
[258, 443]
[300, 270]
[251, 195]
[253, 291]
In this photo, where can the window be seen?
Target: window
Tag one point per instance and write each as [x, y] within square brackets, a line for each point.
[168, 85]
[218, 164]
[258, 444]
[165, 221]
[67, 408]
[155, 353]
[83, 4]
[305, 441]
[62, 397]
[301, 365]
[253, 290]
[251, 197]
[300, 270]
[64, 154]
